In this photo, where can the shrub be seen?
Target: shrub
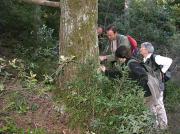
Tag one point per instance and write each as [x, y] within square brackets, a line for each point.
[106, 106]
[172, 98]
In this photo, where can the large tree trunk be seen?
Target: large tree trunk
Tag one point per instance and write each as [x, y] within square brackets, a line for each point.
[77, 34]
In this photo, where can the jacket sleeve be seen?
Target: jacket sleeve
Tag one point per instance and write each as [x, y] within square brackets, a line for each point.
[111, 57]
[137, 69]
[165, 62]
[141, 76]
[113, 73]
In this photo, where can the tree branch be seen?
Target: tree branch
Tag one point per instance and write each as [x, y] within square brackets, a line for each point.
[44, 3]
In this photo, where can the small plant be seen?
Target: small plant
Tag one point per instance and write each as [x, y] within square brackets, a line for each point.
[3, 69]
[45, 33]
[30, 81]
[1, 87]
[19, 66]
[18, 103]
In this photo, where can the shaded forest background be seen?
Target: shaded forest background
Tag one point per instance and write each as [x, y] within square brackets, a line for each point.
[29, 41]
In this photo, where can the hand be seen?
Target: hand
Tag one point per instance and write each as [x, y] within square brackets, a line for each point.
[102, 68]
[102, 58]
[122, 60]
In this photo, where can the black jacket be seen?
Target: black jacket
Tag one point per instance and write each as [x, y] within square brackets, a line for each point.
[136, 72]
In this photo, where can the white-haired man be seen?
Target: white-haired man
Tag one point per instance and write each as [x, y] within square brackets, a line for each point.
[156, 65]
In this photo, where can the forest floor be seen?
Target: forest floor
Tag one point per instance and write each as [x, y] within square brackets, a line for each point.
[37, 112]
[40, 112]
[28, 110]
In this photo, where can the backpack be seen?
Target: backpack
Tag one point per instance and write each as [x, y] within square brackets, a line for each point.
[133, 43]
[168, 74]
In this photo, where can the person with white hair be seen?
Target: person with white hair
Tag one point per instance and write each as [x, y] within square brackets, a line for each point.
[156, 66]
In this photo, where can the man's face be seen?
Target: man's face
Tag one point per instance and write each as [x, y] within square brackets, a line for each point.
[143, 51]
[99, 30]
[111, 35]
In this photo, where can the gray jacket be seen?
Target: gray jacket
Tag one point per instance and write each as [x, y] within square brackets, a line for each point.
[121, 41]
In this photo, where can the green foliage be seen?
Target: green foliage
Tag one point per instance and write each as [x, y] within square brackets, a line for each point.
[3, 70]
[103, 106]
[11, 128]
[150, 21]
[175, 12]
[94, 102]
[147, 20]
[15, 100]
[172, 99]
[27, 31]
[174, 45]
[109, 10]
[18, 103]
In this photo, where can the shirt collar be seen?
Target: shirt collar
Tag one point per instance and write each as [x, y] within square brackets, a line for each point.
[147, 57]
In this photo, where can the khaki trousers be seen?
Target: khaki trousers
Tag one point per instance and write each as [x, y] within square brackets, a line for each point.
[158, 109]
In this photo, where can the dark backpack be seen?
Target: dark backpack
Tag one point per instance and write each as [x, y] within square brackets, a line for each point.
[168, 74]
[133, 43]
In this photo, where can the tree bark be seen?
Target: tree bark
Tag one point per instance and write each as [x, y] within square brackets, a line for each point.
[126, 11]
[37, 21]
[77, 34]
[44, 3]
[126, 6]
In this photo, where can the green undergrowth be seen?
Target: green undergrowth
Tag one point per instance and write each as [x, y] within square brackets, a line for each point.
[172, 97]
[99, 105]
[15, 99]
[11, 128]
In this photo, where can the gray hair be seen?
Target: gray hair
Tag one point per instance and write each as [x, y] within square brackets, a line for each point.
[148, 46]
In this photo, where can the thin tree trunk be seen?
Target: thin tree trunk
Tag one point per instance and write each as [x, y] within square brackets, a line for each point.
[77, 34]
[126, 6]
[37, 21]
[126, 12]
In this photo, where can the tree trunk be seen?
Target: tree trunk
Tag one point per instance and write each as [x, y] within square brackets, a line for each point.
[77, 34]
[126, 6]
[37, 21]
[126, 12]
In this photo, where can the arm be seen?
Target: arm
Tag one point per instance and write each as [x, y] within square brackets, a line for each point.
[111, 73]
[141, 76]
[165, 62]
[121, 41]
[110, 57]
[137, 69]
